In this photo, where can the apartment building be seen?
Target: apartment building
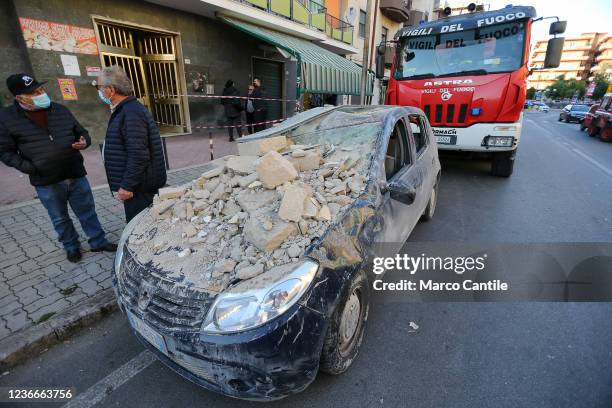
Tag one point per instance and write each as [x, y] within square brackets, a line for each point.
[581, 55]
[603, 56]
[179, 54]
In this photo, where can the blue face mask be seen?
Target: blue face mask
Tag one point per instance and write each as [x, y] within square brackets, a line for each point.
[41, 101]
[103, 98]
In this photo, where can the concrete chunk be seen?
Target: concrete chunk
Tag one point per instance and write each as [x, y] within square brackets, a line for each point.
[252, 201]
[171, 192]
[262, 146]
[249, 272]
[247, 180]
[213, 172]
[242, 164]
[292, 205]
[310, 161]
[255, 233]
[324, 214]
[274, 170]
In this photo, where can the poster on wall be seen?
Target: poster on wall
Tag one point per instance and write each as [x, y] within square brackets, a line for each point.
[67, 88]
[93, 71]
[71, 65]
[45, 35]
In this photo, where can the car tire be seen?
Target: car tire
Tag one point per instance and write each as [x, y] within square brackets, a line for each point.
[502, 164]
[582, 127]
[567, 119]
[593, 131]
[560, 118]
[346, 328]
[431, 205]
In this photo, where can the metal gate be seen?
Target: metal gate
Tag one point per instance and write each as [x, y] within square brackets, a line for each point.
[271, 75]
[160, 64]
[150, 60]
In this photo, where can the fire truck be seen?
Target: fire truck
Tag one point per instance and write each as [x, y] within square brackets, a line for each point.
[468, 74]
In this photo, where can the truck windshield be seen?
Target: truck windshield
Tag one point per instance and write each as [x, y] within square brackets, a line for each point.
[481, 51]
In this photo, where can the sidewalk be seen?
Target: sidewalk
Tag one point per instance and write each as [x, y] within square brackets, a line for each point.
[36, 280]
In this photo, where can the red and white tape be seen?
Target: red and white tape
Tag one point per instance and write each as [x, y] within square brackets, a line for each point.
[163, 96]
[226, 126]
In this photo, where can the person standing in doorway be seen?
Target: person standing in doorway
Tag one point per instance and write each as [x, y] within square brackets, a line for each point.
[259, 104]
[43, 139]
[133, 153]
[233, 109]
[249, 108]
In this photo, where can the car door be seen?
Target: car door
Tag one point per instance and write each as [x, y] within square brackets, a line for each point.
[426, 157]
[398, 218]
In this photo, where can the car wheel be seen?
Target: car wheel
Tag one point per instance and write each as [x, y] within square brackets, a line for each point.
[582, 127]
[431, 205]
[593, 131]
[560, 119]
[567, 119]
[502, 164]
[346, 328]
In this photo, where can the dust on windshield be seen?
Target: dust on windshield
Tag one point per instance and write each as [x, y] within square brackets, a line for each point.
[497, 48]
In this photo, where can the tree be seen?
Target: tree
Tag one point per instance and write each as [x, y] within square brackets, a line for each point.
[566, 88]
[531, 93]
[602, 80]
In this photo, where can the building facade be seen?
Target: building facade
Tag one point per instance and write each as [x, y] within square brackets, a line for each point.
[178, 54]
[581, 56]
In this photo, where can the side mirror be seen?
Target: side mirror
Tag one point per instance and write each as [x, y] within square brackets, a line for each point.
[380, 61]
[553, 52]
[403, 193]
[558, 27]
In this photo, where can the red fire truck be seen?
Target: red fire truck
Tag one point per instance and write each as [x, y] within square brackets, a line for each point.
[468, 74]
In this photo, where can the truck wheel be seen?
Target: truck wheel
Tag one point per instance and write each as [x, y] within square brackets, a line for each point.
[582, 127]
[593, 131]
[431, 205]
[346, 328]
[502, 164]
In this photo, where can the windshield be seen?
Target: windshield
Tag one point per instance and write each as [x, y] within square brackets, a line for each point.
[480, 51]
[580, 108]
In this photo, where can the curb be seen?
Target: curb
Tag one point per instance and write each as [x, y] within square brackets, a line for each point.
[20, 346]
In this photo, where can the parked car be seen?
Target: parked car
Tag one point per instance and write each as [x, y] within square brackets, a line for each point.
[589, 117]
[600, 123]
[266, 337]
[573, 113]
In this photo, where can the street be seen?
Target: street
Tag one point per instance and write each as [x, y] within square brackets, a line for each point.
[487, 354]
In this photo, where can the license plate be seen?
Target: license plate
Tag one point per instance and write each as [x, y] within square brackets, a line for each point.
[448, 140]
[148, 333]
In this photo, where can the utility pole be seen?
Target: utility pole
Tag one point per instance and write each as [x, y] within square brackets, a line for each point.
[365, 63]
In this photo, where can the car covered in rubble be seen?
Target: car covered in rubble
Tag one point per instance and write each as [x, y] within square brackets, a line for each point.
[252, 278]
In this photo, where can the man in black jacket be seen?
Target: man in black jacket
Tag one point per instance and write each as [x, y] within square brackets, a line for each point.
[42, 139]
[133, 153]
[233, 109]
[260, 105]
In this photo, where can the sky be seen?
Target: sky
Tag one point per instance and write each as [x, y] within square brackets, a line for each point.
[582, 16]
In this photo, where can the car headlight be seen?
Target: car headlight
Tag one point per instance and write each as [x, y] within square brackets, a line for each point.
[255, 302]
[123, 239]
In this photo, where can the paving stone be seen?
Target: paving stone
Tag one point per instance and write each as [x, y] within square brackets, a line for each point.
[4, 331]
[10, 307]
[46, 301]
[28, 281]
[54, 308]
[12, 261]
[17, 320]
[46, 288]
[28, 295]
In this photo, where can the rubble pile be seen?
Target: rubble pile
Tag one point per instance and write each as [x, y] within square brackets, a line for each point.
[250, 213]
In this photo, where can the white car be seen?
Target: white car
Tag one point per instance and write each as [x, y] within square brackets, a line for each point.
[542, 107]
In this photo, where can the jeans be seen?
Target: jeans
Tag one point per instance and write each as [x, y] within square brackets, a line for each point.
[136, 204]
[250, 119]
[76, 192]
[234, 122]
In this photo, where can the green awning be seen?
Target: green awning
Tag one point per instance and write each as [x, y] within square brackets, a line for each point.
[319, 70]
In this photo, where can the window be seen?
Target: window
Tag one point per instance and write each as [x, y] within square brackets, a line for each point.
[397, 155]
[362, 23]
[419, 132]
[383, 34]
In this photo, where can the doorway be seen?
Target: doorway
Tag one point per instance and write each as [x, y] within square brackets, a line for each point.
[151, 58]
[271, 74]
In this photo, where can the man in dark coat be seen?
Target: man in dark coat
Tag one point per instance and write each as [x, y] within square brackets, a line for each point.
[42, 139]
[233, 109]
[259, 104]
[133, 153]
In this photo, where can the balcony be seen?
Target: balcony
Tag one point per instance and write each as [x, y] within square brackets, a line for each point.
[396, 10]
[308, 13]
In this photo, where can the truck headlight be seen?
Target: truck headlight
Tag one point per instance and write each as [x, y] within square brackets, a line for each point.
[498, 141]
[255, 302]
[123, 239]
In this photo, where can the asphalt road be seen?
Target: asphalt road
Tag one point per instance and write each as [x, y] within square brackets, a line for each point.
[462, 354]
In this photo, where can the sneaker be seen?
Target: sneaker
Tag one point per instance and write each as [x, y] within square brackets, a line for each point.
[108, 247]
[74, 255]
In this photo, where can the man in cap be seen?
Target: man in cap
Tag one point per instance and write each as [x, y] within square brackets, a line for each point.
[43, 140]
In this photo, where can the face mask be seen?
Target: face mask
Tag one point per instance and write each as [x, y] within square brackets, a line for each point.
[41, 101]
[103, 98]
